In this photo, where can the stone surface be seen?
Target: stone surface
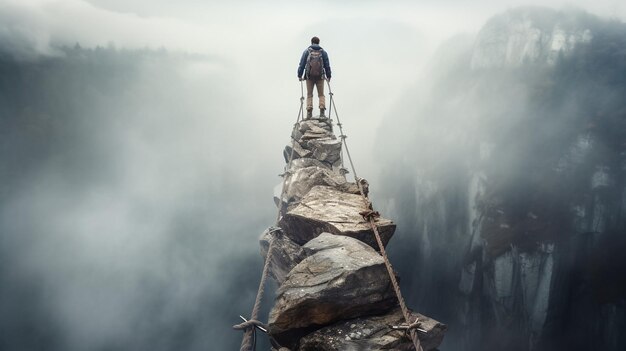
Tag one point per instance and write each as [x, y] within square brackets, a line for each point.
[334, 289]
[302, 180]
[299, 152]
[373, 333]
[325, 209]
[315, 126]
[312, 129]
[342, 278]
[306, 162]
[314, 138]
[349, 187]
[316, 135]
[327, 150]
[287, 254]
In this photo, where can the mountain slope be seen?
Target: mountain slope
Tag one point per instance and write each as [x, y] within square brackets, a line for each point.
[518, 162]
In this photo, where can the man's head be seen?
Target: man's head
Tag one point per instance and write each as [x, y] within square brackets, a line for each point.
[315, 40]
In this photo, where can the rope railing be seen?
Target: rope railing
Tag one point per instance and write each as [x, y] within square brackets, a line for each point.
[248, 343]
[370, 215]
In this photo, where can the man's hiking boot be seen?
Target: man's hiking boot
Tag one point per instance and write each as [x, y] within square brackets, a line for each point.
[309, 113]
[322, 115]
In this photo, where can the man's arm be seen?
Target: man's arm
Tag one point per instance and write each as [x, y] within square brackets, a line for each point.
[326, 64]
[302, 64]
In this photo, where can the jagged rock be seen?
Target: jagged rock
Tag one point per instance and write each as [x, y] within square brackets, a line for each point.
[295, 133]
[349, 187]
[303, 163]
[515, 39]
[315, 126]
[298, 152]
[328, 150]
[287, 254]
[301, 181]
[307, 162]
[312, 129]
[373, 333]
[342, 278]
[336, 167]
[325, 209]
[308, 135]
[336, 275]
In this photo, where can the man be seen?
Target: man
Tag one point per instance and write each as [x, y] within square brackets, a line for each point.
[315, 67]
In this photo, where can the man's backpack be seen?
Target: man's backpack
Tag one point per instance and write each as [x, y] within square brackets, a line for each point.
[314, 64]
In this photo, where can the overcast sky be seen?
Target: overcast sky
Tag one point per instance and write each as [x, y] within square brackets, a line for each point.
[385, 42]
[230, 27]
[396, 36]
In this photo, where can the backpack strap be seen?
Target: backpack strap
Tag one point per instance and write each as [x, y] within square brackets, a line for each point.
[323, 65]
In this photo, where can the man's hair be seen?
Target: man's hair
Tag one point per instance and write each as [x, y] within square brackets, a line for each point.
[315, 40]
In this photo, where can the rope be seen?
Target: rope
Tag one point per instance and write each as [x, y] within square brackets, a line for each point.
[370, 216]
[248, 342]
[343, 169]
[248, 324]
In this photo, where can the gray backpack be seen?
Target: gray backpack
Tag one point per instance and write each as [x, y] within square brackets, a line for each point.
[314, 64]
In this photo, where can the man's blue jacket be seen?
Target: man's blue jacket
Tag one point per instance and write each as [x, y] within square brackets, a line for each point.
[305, 54]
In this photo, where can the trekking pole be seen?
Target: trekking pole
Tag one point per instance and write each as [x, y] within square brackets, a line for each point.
[330, 93]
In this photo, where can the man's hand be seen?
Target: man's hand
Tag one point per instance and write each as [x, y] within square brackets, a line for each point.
[328, 79]
[300, 79]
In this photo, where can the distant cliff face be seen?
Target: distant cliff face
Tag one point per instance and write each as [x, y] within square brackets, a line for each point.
[517, 171]
[529, 35]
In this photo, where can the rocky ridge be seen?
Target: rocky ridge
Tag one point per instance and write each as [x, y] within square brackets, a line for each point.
[334, 291]
[520, 233]
[528, 35]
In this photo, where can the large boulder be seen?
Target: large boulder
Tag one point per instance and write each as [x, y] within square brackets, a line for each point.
[326, 209]
[296, 164]
[325, 149]
[315, 138]
[300, 181]
[342, 278]
[298, 152]
[374, 333]
[316, 126]
[306, 162]
[286, 253]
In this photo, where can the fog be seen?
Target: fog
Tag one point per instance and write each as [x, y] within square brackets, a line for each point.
[141, 142]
